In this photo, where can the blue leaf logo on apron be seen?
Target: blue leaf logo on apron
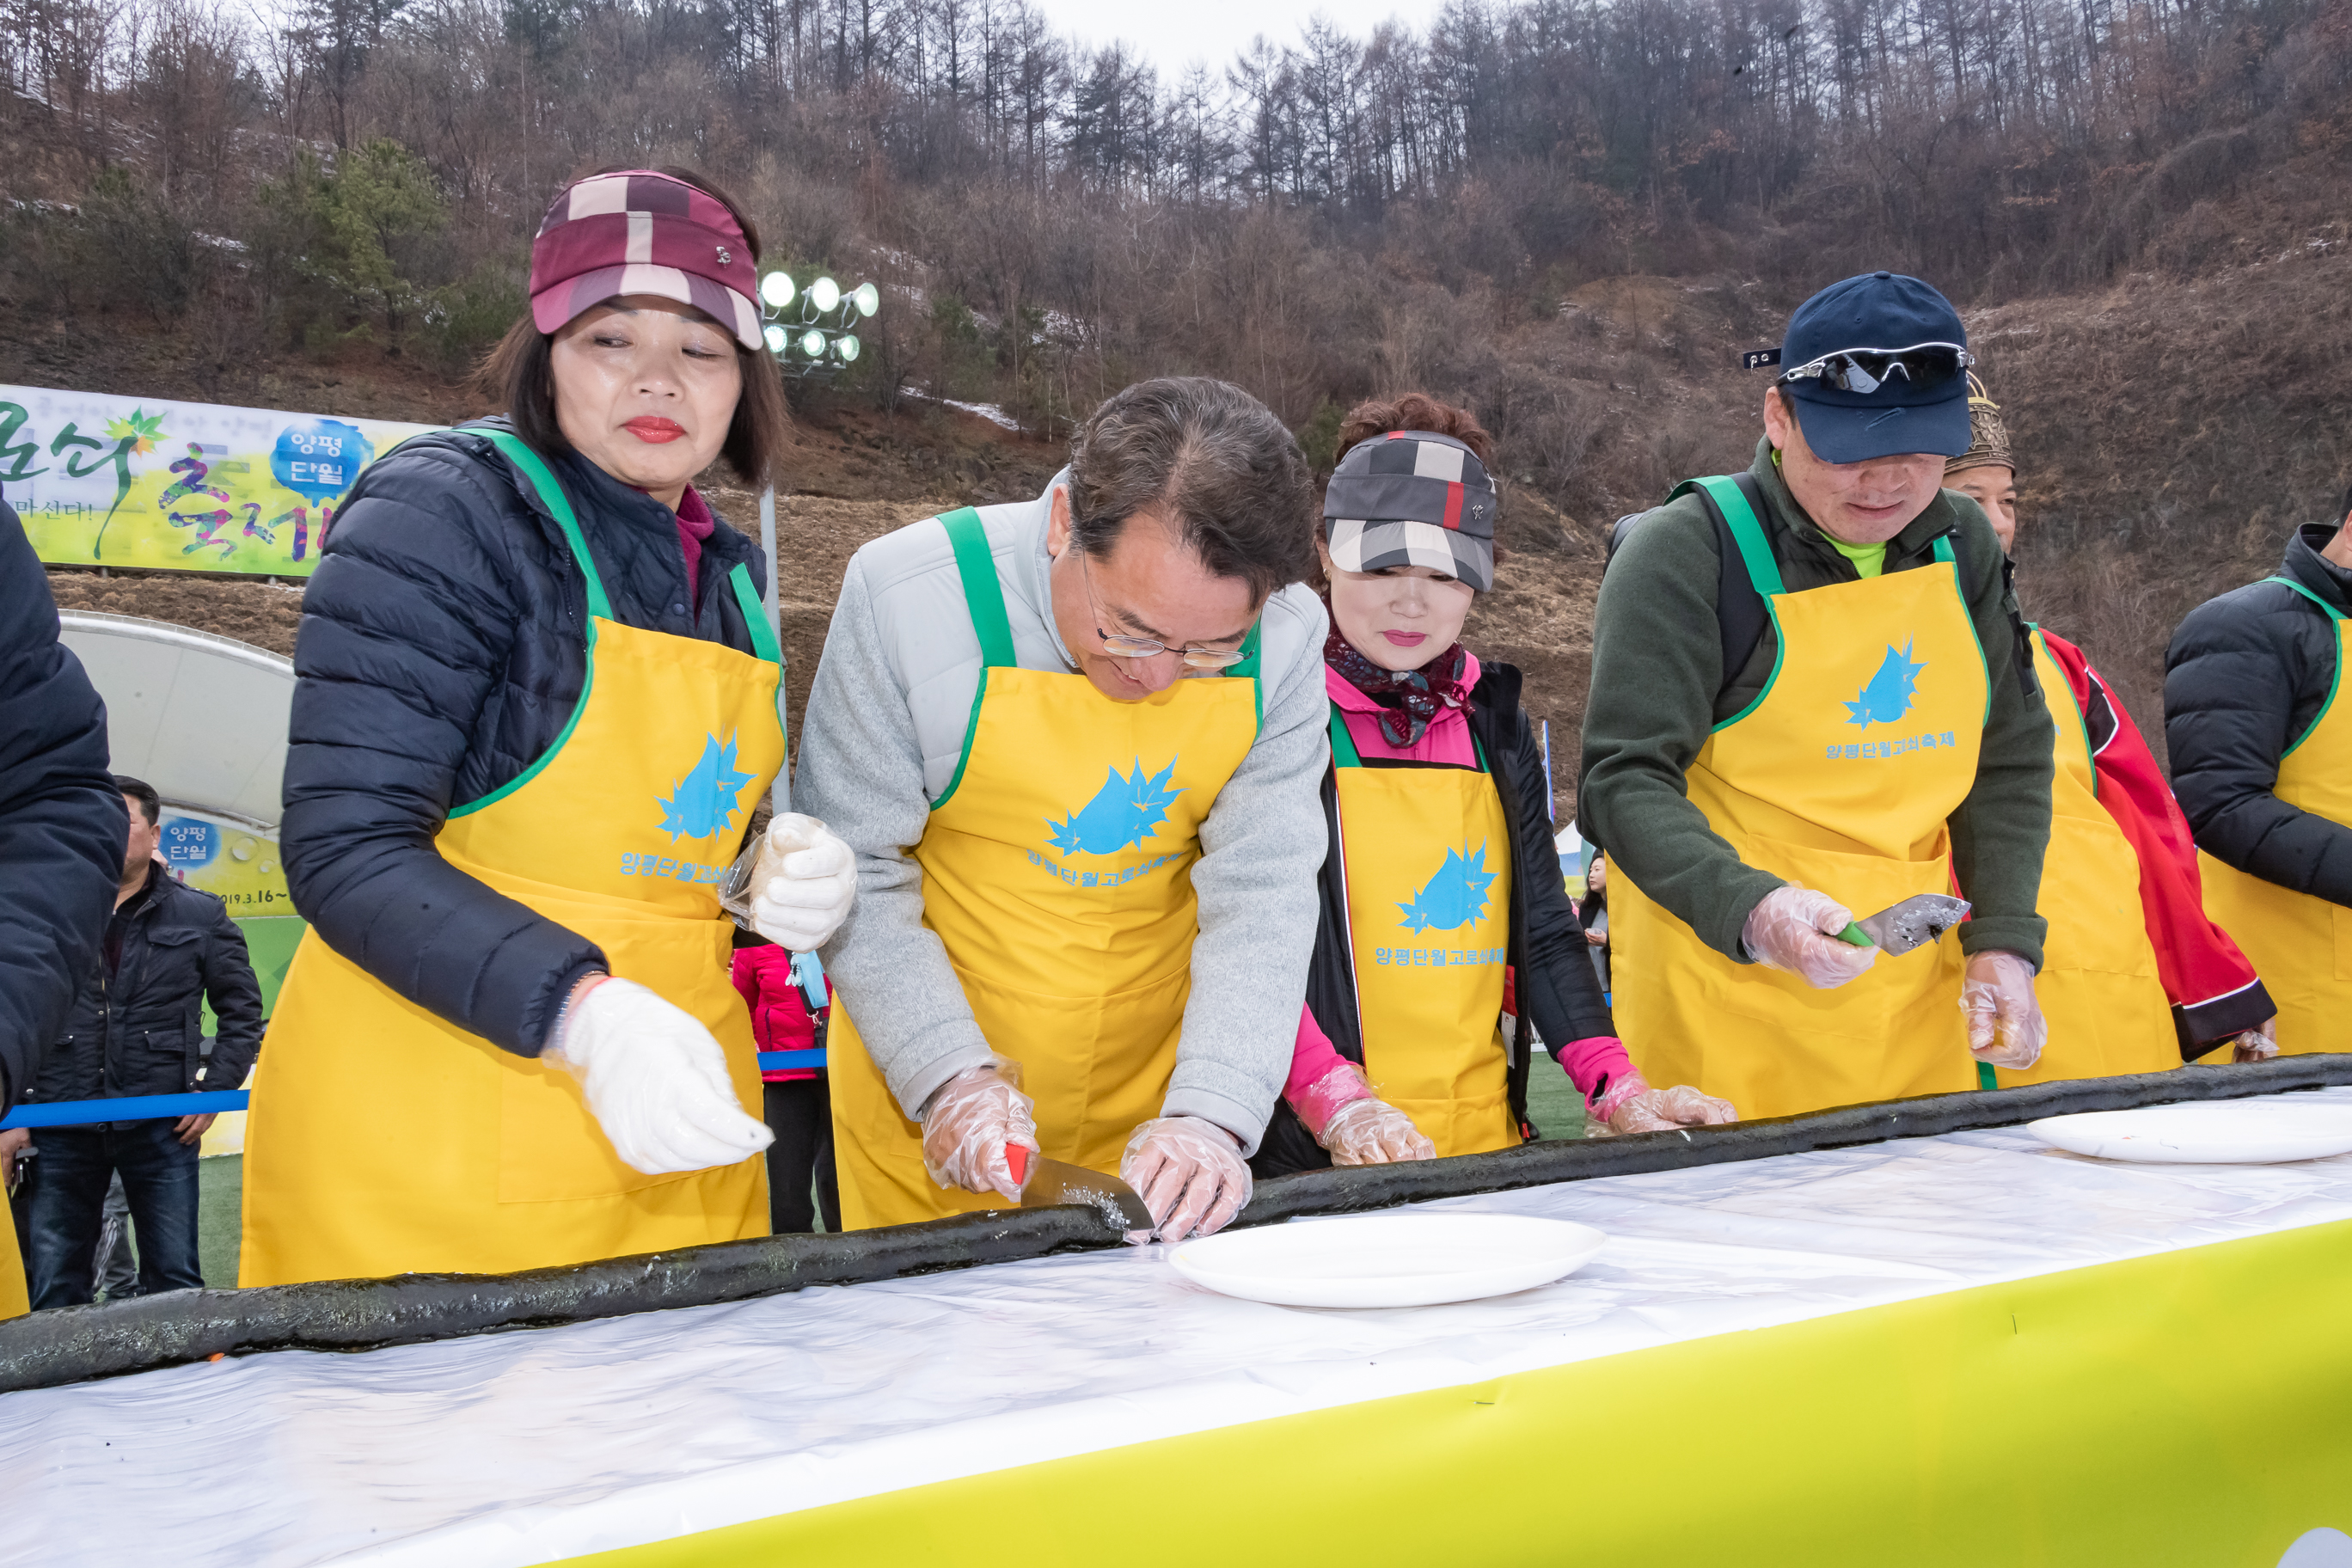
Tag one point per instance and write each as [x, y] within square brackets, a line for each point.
[1888, 696]
[1455, 898]
[707, 797]
[1126, 811]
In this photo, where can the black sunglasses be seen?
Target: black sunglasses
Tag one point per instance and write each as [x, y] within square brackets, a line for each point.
[1866, 369]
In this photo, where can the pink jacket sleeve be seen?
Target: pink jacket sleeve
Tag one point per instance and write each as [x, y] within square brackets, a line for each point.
[1313, 1091]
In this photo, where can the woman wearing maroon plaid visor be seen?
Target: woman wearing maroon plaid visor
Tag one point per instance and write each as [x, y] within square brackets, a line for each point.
[1443, 904]
[537, 700]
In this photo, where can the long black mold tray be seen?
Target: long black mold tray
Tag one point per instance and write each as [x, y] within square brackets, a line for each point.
[71, 1345]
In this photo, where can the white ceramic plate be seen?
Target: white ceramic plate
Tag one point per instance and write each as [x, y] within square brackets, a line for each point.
[2211, 1133]
[1388, 1261]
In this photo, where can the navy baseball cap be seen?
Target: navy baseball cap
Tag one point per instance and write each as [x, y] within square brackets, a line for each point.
[1890, 404]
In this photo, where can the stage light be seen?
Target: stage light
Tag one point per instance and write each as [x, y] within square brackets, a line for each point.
[778, 338]
[868, 299]
[846, 346]
[824, 294]
[776, 288]
[813, 343]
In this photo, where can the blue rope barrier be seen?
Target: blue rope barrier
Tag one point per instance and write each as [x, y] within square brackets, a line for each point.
[148, 1107]
[129, 1108]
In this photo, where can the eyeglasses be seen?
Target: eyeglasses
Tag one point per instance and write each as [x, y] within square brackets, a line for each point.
[1867, 370]
[1194, 655]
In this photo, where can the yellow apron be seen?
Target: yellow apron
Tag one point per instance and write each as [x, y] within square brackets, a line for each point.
[383, 1140]
[14, 1299]
[2300, 945]
[1838, 777]
[1057, 873]
[2099, 988]
[1426, 854]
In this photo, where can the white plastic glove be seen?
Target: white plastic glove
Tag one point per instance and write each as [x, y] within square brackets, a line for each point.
[1189, 1172]
[2259, 1044]
[1795, 928]
[654, 1080]
[802, 884]
[1373, 1132]
[2005, 1024]
[1630, 1105]
[968, 1121]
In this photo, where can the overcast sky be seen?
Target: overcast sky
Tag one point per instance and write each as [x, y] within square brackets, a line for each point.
[1175, 33]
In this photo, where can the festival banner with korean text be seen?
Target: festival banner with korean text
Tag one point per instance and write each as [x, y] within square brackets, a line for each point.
[151, 482]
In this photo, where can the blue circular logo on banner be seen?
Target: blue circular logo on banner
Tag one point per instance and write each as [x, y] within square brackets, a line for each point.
[317, 459]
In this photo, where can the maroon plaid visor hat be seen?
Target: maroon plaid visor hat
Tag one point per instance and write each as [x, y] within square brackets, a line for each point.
[637, 232]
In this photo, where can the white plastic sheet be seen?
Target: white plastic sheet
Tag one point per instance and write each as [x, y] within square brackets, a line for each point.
[530, 1447]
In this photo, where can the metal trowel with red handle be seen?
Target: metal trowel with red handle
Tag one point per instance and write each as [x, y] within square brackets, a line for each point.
[1045, 1184]
[1915, 921]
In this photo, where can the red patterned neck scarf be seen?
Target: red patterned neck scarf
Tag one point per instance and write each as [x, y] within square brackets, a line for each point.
[1408, 698]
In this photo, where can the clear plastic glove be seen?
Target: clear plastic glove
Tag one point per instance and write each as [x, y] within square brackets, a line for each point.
[1373, 1132]
[968, 1121]
[1631, 1105]
[1189, 1172]
[2256, 1044]
[802, 884]
[654, 1080]
[1795, 930]
[2005, 1025]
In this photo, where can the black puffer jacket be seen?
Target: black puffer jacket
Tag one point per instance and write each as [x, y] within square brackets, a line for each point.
[1557, 990]
[62, 823]
[442, 648]
[138, 1029]
[2246, 676]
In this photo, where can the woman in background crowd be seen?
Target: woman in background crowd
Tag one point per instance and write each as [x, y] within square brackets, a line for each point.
[796, 1103]
[1442, 903]
[2135, 978]
[536, 702]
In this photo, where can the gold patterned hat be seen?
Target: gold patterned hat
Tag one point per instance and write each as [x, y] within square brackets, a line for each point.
[1987, 437]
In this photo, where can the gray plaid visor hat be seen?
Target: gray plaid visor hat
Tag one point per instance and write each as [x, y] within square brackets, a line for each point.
[1411, 498]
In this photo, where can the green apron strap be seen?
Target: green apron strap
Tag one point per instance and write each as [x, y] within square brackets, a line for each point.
[1248, 669]
[2332, 612]
[2335, 684]
[1746, 532]
[984, 596]
[755, 614]
[1343, 745]
[1944, 549]
[535, 473]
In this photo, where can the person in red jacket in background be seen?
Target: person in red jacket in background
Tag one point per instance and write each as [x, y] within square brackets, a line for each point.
[2113, 814]
[799, 1100]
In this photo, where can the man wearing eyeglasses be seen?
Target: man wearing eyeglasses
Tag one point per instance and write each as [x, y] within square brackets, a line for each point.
[1810, 703]
[1077, 744]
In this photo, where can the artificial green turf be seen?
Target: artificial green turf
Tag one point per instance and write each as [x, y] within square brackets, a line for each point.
[220, 1196]
[1553, 1103]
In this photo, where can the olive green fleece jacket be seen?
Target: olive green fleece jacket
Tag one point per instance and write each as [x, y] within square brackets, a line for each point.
[1658, 689]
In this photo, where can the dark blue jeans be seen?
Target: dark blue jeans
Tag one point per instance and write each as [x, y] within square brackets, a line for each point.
[70, 1181]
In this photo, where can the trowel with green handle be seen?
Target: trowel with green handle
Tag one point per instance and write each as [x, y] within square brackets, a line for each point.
[1915, 921]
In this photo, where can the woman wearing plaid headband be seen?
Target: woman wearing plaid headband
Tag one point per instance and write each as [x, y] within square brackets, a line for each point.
[1443, 907]
[538, 699]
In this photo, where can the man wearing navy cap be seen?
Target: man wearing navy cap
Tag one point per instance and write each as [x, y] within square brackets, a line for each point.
[1810, 703]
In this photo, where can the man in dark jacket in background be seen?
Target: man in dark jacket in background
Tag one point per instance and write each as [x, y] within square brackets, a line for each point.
[136, 1029]
[2262, 764]
[61, 824]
